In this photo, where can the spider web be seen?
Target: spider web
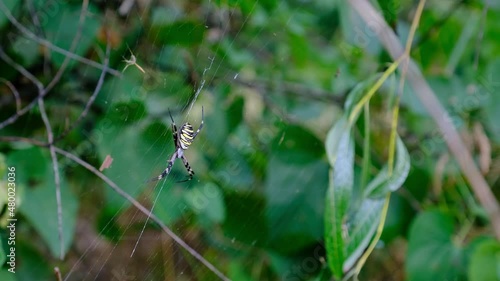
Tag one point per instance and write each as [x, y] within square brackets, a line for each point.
[112, 240]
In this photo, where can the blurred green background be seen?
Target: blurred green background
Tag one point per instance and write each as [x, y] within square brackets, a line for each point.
[273, 78]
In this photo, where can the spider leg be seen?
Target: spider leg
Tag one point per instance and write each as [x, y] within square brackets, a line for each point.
[174, 129]
[188, 168]
[201, 124]
[165, 172]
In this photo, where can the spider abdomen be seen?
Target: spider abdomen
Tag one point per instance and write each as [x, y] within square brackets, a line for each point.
[186, 136]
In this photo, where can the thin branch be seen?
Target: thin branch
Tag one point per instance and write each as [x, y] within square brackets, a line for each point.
[51, 46]
[57, 179]
[72, 48]
[144, 210]
[14, 91]
[44, 92]
[441, 117]
[22, 70]
[50, 136]
[23, 139]
[91, 100]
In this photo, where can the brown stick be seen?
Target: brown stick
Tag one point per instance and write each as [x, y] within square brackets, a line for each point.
[436, 110]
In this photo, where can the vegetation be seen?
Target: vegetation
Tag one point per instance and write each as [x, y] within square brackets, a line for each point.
[342, 140]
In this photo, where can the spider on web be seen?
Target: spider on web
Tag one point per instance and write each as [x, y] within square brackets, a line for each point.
[183, 138]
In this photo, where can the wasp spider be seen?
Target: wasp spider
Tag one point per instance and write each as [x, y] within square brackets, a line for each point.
[182, 140]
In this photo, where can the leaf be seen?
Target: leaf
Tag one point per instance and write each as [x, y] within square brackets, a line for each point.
[245, 219]
[340, 147]
[40, 208]
[60, 28]
[10, 5]
[294, 194]
[383, 183]
[207, 202]
[432, 253]
[485, 262]
[295, 144]
[182, 32]
[390, 10]
[138, 155]
[360, 230]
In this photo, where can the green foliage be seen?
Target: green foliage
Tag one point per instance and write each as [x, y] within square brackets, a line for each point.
[485, 262]
[291, 169]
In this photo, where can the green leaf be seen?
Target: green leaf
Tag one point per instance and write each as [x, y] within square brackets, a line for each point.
[360, 229]
[340, 147]
[170, 204]
[207, 202]
[357, 93]
[34, 265]
[40, 208]
[139, 153]
[294, 194]
[485, 262]
[3, 254]
[245, 220]
[61, 29]
[432, 253]
[390, 10]
[295, 144]
[235, 114]
[10, 5]
[182, 32]
[383, 183]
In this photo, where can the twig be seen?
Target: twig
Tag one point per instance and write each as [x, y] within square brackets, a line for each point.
[51, 46]
[72, 47]
[27, 108]
[14, 91]
[441, 117]
[91, 100]
[23, 139]
[57, 179]
[50, 137]
[144, 210]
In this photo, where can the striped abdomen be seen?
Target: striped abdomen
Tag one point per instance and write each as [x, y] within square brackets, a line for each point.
[186, 136]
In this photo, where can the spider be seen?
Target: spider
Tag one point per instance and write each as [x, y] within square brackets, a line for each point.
[182, 140]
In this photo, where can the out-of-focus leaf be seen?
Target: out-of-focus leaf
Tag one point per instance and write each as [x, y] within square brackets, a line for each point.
[485, 262]
[293, 193]
[390, 10]
[492, 84]
[34, 266]
[239, 272]
[295, 144]
[340, 147]
[356, 94]
[182, 32]
[299, 48]
[383, 183]
[127, 112]
[360, 230]
[139, 154]
[235, 113]
[40, 208]
[60, 28]
[245, 218]
[207, 202]
[39, 204]
[432, 253]
[10, 5]
[6, 275]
